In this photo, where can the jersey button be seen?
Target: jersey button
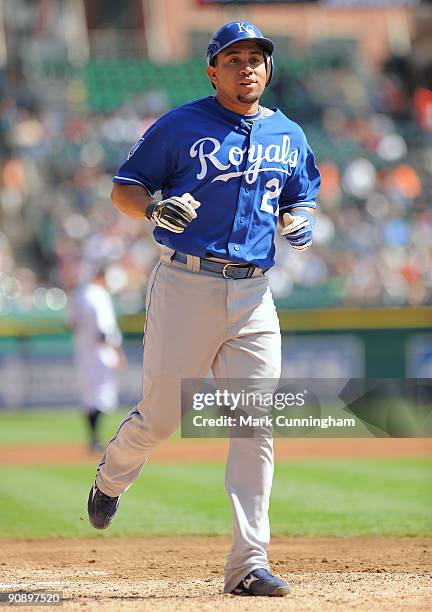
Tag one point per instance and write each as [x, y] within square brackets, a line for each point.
[246, 189]
[236, 247]
[242, 219]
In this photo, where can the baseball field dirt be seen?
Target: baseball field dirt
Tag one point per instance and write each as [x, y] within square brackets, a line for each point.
[192, 451]
[187, 573]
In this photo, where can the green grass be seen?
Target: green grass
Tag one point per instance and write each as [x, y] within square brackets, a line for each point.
[36, 427]
[327, 497]
[52, 427]
[331, 497]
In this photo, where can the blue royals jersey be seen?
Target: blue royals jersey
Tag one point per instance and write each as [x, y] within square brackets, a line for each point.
[243, 175]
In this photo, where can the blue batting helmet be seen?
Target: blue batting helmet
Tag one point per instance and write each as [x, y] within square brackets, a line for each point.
[240, 30]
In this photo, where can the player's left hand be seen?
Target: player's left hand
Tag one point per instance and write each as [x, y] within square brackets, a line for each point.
[298, 229]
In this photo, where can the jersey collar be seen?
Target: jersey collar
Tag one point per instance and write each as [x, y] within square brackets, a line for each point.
[236, 118]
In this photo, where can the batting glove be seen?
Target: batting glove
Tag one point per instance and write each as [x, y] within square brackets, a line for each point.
[298, 229]
[173, 214]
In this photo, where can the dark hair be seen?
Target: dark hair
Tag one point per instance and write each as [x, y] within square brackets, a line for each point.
[100, 270]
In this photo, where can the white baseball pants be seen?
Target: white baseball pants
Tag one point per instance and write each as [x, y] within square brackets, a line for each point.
[197, 322]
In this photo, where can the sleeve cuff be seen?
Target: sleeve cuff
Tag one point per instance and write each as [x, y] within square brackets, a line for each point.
[305, 204]
[125, 180]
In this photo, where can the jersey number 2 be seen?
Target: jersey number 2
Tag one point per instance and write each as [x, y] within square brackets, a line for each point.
[274, 191]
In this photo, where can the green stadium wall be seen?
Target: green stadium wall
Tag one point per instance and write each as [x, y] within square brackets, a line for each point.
[393, 342]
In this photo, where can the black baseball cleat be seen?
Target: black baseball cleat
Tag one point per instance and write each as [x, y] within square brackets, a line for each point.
[261, 582]
[101, 508]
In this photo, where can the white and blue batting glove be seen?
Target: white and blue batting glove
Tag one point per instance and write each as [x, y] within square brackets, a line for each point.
[298, 229]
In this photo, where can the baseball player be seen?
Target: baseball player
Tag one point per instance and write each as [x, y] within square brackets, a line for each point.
[228, 169]
[98, 351]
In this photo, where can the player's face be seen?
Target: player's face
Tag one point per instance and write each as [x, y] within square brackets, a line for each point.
[239, 76]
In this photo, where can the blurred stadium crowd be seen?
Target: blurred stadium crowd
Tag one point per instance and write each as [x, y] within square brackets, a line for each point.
[64, 132]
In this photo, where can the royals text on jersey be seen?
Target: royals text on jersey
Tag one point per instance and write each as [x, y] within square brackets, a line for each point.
[243, 174]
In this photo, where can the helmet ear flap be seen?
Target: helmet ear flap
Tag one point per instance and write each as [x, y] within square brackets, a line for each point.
[212, 63]
[269, 67]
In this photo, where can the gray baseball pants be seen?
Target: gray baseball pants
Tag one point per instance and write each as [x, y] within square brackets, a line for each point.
[198, 322]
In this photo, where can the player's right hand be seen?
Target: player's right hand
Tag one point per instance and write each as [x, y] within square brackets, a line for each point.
[175, 213]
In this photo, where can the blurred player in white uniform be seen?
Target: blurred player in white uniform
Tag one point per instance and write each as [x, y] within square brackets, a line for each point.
[98, 351]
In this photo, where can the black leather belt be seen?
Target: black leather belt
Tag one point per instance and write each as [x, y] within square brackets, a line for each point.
[227, 270]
